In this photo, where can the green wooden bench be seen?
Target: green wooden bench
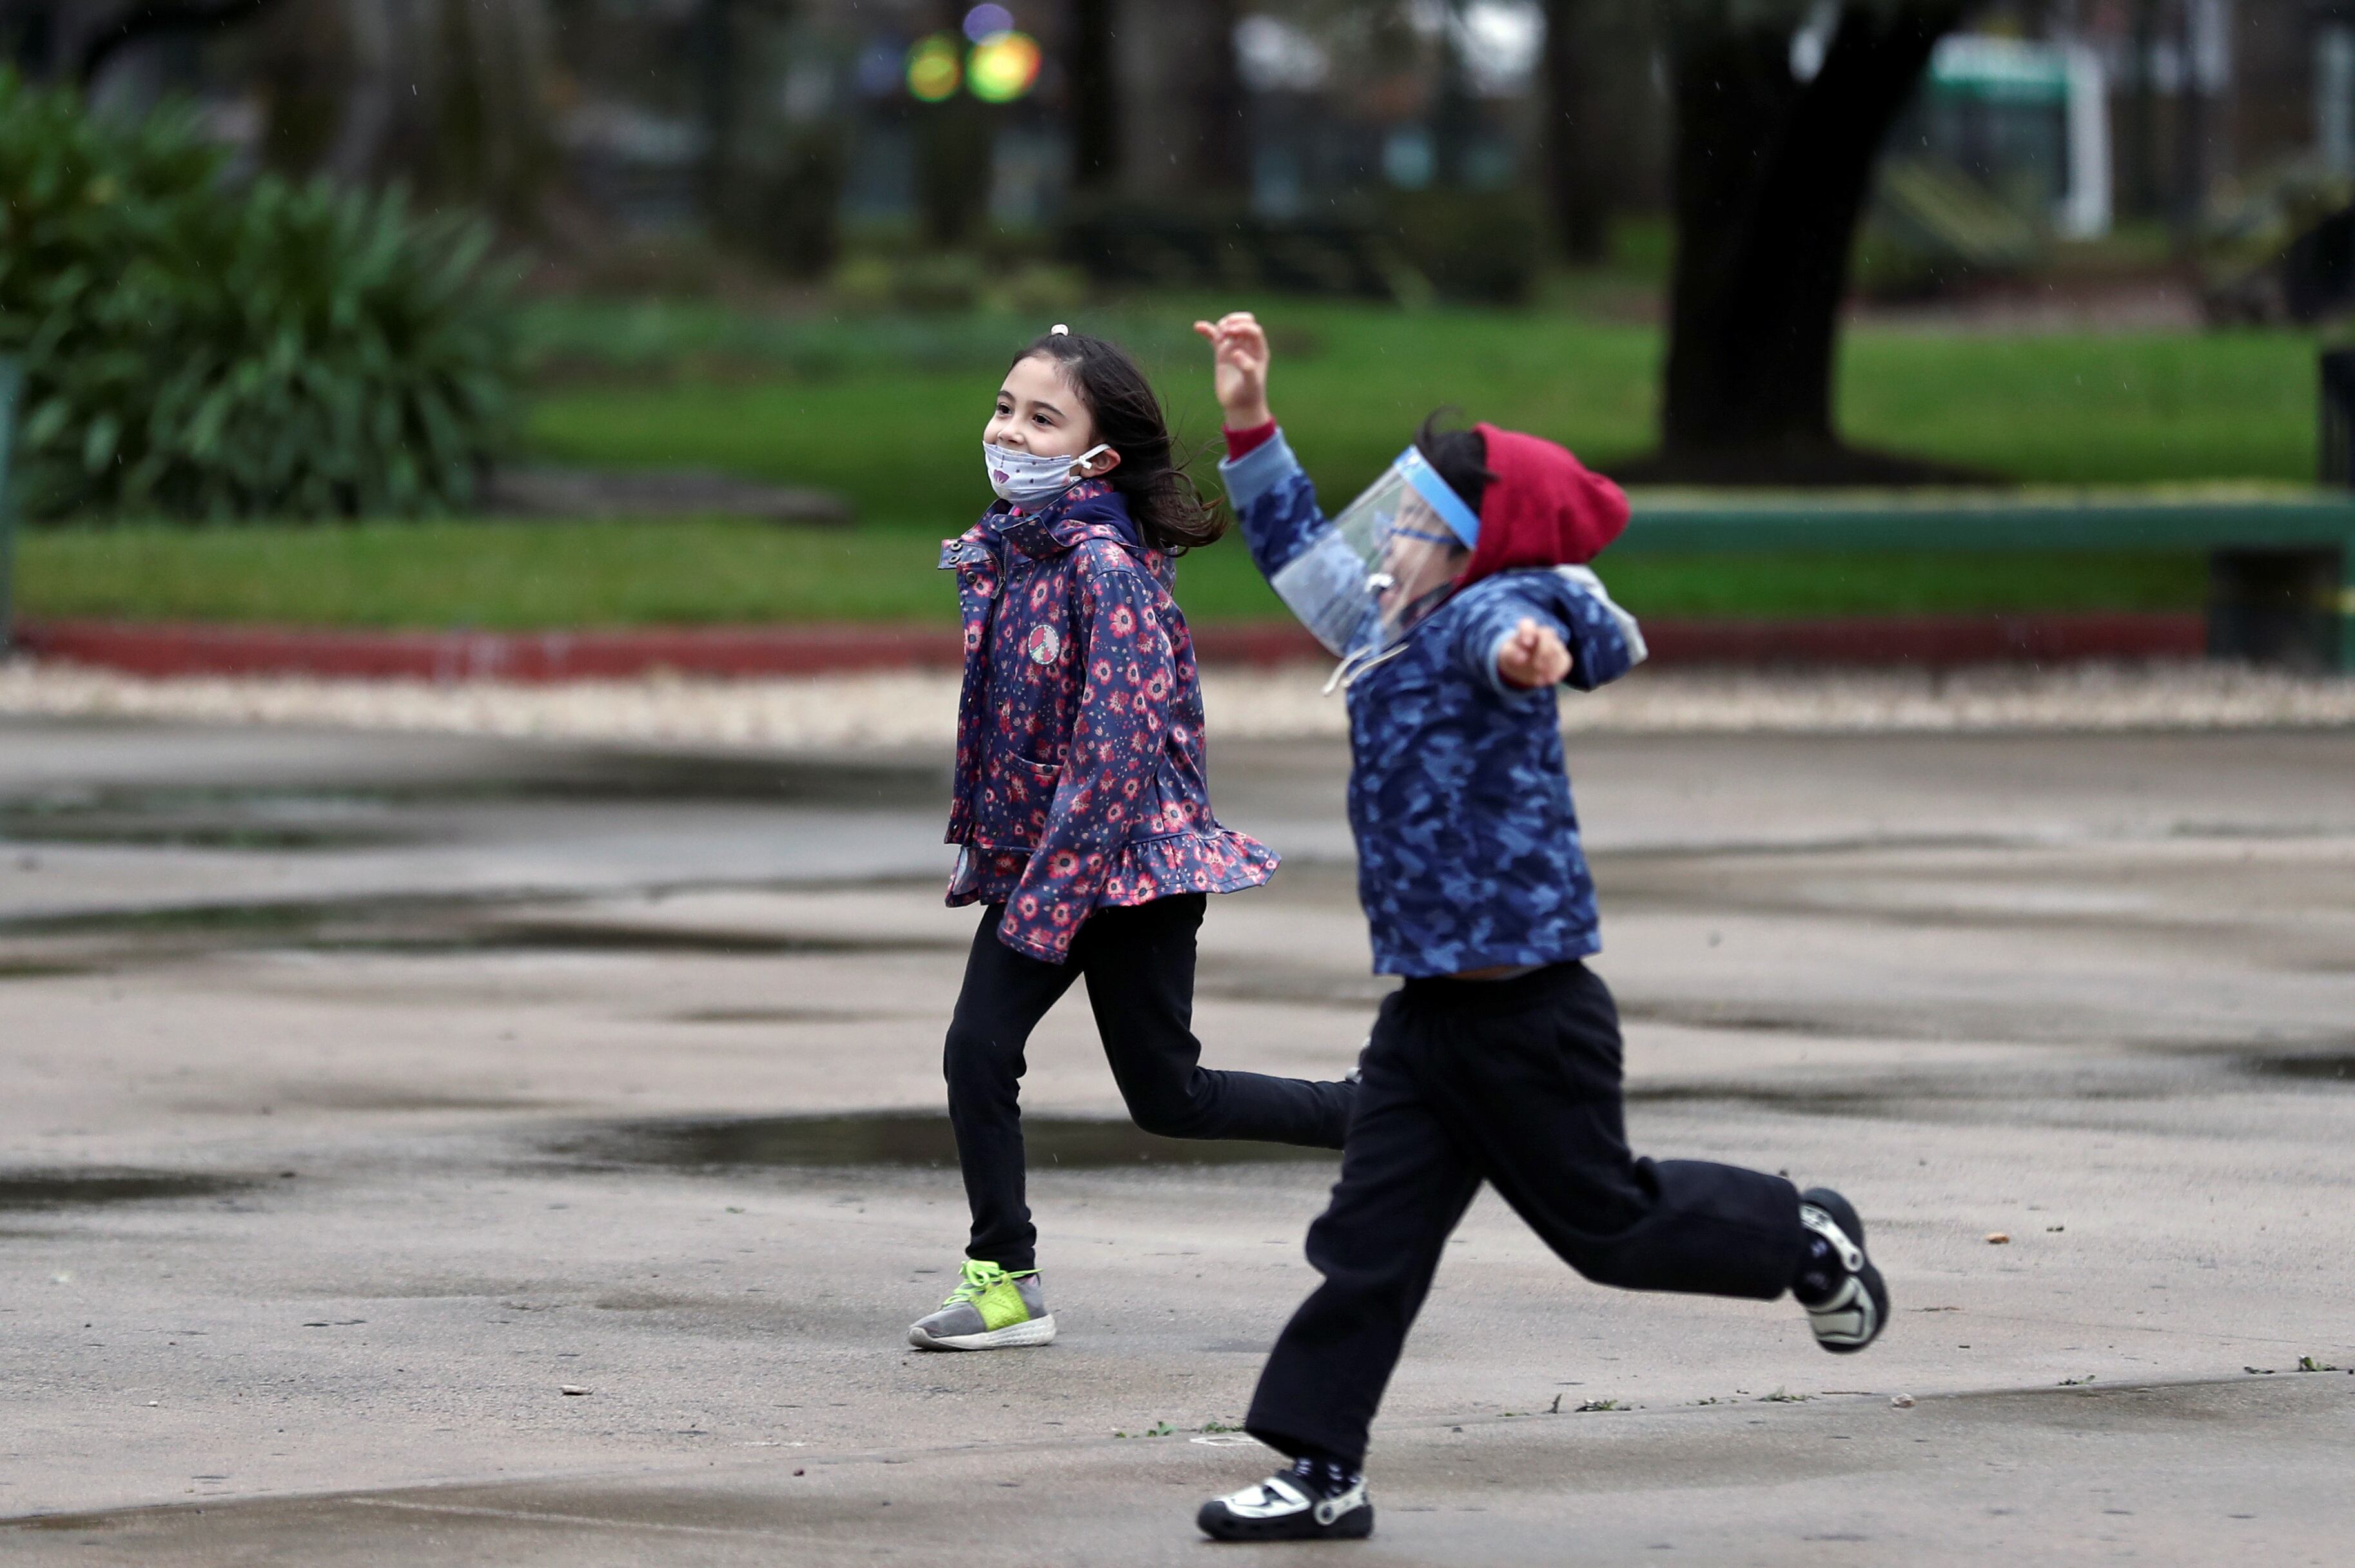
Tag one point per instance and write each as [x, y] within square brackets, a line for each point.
[2281, 560]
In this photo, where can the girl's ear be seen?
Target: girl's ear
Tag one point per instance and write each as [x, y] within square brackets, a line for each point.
[1102, 463]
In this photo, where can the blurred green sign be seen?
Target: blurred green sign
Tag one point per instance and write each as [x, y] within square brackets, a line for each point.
[1999, 70]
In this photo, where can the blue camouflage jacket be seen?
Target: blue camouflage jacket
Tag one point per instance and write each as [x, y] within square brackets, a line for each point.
[1469, 853]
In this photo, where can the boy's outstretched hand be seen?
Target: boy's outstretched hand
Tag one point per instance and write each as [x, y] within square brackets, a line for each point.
[1533, 656]
[1239, 355]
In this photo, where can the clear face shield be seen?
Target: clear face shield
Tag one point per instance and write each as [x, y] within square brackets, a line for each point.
[1385, 561]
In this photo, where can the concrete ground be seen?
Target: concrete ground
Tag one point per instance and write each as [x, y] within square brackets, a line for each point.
[390, 1169]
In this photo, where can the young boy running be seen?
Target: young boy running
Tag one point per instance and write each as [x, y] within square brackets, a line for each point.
[1454, 591]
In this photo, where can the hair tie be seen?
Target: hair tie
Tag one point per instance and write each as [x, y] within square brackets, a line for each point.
[1059, 330]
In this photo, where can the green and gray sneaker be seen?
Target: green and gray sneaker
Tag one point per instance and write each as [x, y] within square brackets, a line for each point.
[990, 1309]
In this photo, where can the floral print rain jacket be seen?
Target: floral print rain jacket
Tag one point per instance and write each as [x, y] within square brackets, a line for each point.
[1080, 755]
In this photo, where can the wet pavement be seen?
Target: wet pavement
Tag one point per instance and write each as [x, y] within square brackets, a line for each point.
[369, 1093]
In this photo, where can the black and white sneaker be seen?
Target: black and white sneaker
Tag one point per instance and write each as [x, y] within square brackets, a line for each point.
[1846, 1301]
[1307, 1502]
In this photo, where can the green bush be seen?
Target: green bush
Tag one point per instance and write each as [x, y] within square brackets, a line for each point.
[200, 349]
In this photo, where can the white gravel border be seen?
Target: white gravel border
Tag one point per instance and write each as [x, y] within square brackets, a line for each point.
[902, 710]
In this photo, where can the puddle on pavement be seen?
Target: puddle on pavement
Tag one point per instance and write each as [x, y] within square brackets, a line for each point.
[215, 820]
[433, 925]
[84, 1523]
[360, 814]
[1706, 1016]
[621, 937]
[1797, 1100]
[2336, 1068]
[783, 1015]
[371, 1097]
[670, 778]
[264, 921]
[41, 969]
[190, 834]
[537, 772]
[65, 1188]
[903, 1139]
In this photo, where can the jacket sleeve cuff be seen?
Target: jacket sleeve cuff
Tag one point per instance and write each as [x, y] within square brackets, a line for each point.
[1258, 470]
[1484, 648]
[1012, 937]
[1242, 443]
[1493, 666]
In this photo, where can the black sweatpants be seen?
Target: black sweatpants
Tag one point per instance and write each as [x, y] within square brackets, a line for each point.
[1518, 1083]
[1139, 964]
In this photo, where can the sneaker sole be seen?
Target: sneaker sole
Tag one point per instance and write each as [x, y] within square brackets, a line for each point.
[1013, 1337]
[1216, 1522]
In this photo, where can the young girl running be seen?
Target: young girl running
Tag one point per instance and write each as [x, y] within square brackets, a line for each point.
[1082, 816]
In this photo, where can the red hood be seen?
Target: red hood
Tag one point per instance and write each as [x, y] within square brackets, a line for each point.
[1544, 508]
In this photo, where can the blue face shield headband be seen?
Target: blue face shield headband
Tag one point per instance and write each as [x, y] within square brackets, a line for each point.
[1383, 563]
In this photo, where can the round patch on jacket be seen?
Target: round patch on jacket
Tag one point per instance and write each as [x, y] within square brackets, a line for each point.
[1044, 645]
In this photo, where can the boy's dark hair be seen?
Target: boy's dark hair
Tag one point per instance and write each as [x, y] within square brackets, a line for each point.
[1461, 457]
[1151, 477]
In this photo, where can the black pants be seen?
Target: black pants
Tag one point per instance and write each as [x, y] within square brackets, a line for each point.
[1515, 1082]
[1139, 964]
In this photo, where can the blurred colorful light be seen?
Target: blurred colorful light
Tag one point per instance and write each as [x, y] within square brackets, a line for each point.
[987, 18]
[1004, 67]
[933, 68]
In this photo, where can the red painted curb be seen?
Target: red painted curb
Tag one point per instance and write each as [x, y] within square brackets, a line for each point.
[167, 649]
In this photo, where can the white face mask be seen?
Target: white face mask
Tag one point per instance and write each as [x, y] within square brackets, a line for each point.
[1027, 480]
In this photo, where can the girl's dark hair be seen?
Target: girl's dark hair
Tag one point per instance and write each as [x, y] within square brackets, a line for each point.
[1151, 477]
[1461, 457]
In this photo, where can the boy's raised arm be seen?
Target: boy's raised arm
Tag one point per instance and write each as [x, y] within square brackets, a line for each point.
[1239, 357]
[1271, 496]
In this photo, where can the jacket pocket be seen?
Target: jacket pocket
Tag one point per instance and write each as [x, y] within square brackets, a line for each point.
[1039, 778]
[1033, 787]
[1017, 797]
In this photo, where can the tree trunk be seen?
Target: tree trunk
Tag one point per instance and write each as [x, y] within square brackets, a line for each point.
[150, 18]
[2142, 114]
[449, 96]
[955, 148]
[712, 48]
[1574, 197]
[488, 142]
[1221, 157]
[1771, 179]
[1095, 96]
[76, 41]
[2188, 197]
[1454, 116]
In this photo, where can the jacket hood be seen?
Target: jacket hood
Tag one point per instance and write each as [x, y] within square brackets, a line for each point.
[1543, 509]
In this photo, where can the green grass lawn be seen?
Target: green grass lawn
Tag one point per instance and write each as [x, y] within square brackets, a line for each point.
[891, 412]
[899, 433]
[506, 576]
